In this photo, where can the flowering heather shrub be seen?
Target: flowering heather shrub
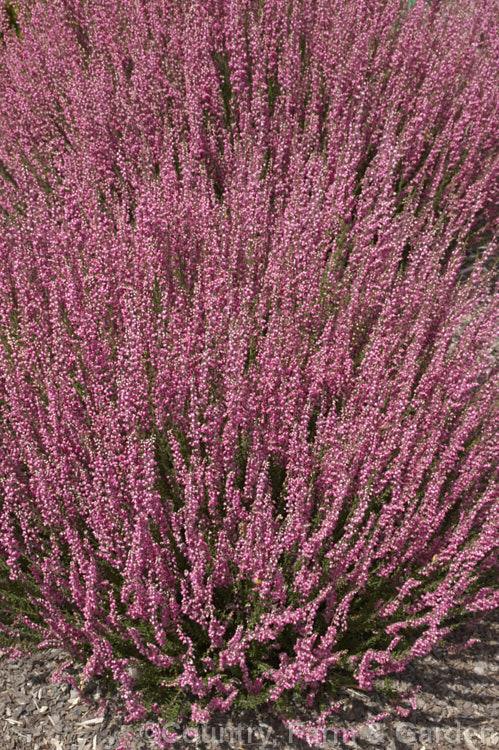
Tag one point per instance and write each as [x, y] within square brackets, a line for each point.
[248, 395]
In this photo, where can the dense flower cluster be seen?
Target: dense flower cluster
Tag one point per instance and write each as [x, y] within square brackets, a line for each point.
[248, 392]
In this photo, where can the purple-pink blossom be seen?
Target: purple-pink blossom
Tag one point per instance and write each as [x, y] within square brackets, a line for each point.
[248, 384]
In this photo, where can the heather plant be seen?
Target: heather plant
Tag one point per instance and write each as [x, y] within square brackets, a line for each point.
[248, 389]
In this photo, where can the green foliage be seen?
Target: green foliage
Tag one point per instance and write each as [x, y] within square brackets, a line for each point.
[11, 10]
[167, 484]
[241, 457]
[222, 64]
[277, 476]
[15, 602]
[245, 702]
[274, 91]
